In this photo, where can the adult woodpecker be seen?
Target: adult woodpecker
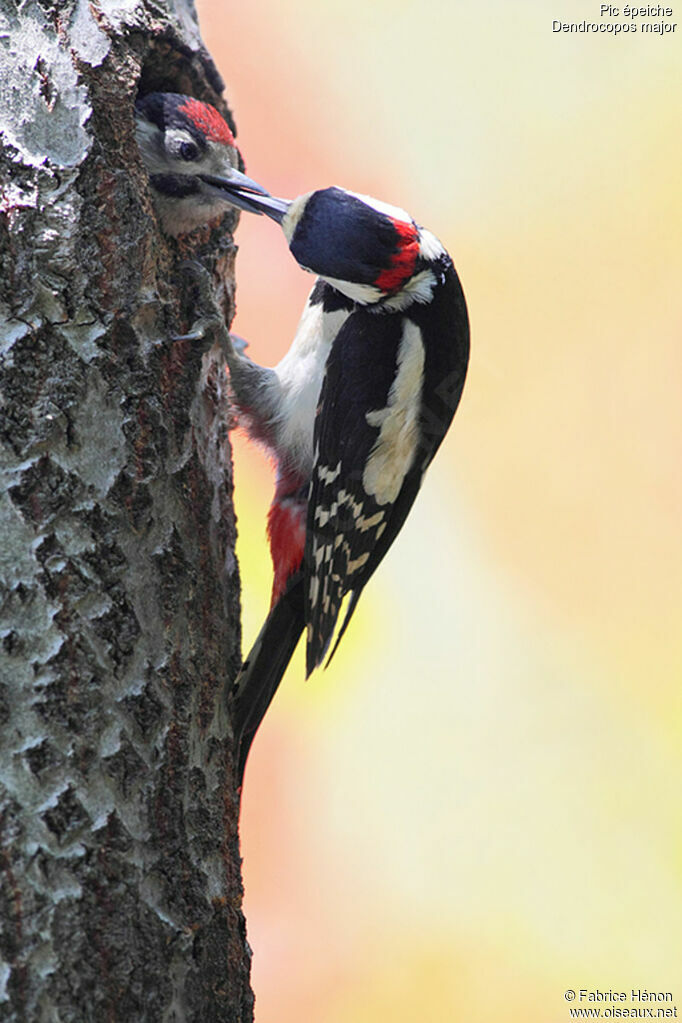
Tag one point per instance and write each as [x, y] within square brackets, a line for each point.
[352, 415]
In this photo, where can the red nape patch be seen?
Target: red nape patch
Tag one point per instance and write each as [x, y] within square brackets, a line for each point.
[403, 260]
[286, 530]
[207, 120]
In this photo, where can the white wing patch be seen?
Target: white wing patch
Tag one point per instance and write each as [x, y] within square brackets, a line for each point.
[396, 446]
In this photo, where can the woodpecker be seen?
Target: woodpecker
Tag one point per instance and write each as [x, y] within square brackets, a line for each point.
[191, 155]
[352, 415]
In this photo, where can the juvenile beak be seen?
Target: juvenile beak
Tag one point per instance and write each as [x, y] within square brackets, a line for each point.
[236, 189]
[246, 194]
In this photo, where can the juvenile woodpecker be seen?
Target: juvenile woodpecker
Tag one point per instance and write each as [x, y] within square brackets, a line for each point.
[352, 415]
[191, 156]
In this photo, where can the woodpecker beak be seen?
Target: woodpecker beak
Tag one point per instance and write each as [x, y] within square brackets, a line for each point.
[270, 205]
[248, 195]
[238, 190]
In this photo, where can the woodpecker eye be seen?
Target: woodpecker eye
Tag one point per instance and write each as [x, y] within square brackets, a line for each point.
[189, 151]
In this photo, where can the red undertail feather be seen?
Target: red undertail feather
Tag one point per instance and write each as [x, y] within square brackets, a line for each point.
[286, 531]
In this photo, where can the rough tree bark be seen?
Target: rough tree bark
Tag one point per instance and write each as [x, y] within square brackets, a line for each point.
[120, 886]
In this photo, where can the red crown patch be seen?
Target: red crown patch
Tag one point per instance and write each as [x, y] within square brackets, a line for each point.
[208, 121]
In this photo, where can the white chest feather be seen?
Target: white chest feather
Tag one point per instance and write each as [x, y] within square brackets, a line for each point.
[300, 375]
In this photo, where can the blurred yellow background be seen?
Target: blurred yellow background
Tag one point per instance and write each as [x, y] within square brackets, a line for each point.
[479, 804]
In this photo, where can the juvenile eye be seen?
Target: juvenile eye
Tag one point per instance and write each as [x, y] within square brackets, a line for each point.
[189, 151]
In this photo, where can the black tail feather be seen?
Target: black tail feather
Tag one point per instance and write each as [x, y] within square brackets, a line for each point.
[355, 596]
[257, 683]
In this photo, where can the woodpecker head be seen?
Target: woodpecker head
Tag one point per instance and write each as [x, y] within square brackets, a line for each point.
[368, 250]
[191, 156]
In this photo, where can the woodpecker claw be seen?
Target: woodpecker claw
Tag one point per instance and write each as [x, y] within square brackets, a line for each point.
[202, 327]
[209, 320]
[194, 335]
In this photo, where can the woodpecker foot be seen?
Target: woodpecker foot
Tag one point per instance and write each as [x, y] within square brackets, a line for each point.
[204, 326]
[210, 322]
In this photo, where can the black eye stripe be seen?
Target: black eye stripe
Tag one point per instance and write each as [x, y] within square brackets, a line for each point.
[176, 185]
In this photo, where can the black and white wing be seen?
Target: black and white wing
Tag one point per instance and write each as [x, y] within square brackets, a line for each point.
[387, 400]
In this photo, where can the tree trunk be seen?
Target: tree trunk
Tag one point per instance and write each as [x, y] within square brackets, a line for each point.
[120, 884]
